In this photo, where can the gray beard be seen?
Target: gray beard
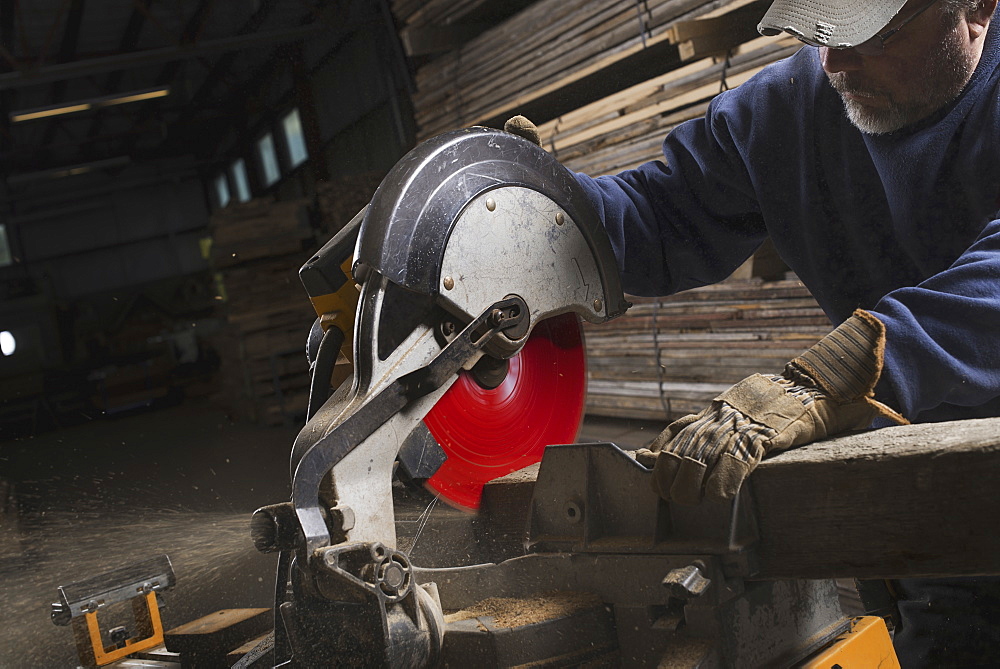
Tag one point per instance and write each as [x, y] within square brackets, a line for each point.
[948, 71]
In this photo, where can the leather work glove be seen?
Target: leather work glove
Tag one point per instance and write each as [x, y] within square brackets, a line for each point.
[825, 391]
[522, 127]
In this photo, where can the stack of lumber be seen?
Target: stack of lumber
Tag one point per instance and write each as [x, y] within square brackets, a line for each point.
[432, 26]
[340, 198]
[668, 357]
[257, 250]
[546, 47]
[626, 129]
[421, 13]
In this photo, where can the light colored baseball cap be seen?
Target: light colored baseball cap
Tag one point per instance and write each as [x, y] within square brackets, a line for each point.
[833, 23]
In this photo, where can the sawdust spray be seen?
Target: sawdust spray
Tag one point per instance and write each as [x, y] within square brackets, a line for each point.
[212, 555]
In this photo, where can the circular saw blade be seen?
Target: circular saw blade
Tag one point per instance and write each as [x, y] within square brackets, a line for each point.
[489, 433]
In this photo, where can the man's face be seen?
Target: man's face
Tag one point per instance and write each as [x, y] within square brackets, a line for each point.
[923, 67]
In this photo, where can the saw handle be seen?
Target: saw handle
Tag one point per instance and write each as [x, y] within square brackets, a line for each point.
[330, 284]
[324, 273]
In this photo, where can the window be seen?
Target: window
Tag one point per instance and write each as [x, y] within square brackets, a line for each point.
[291, 125]
[238, 173]
[270, 172]
[221, 190]
[5, 256]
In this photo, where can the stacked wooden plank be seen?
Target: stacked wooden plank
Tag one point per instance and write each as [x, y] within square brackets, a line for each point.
[437, 12]
[340, 198]
[627, 128]
[668, 357]
[257, 250]
[542, 48]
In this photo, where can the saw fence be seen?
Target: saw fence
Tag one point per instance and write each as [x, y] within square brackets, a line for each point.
[605, 81]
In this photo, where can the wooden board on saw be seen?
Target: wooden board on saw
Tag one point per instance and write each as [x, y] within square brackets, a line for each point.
[902, 501]
[897, 502]
[541, 50]
[667, 357]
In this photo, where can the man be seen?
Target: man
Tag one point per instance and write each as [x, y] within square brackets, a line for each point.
[872, 160]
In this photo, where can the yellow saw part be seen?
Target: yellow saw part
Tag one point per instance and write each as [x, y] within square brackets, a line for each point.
[338, 309]
[867, 644]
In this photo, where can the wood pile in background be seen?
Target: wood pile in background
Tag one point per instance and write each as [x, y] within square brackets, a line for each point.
[257, 249]
[341, 198]
[668, 357]
[432, 26]
[542, 49]
[426, 12]
[627, 129]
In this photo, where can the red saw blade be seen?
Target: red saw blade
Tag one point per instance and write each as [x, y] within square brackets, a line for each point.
[489, 433]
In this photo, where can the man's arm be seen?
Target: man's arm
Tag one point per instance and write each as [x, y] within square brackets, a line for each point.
[943, 335]
[687, 220]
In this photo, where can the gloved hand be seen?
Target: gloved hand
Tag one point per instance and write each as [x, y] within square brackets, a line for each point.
[825, 391]
[522, 127]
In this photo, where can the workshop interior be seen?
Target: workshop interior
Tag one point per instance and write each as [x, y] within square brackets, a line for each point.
[305, 361]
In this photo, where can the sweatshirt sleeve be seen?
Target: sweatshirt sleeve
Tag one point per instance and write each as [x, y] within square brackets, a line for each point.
[688, 220]
[943, 335]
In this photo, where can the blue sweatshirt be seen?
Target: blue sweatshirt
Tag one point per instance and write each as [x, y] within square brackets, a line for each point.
[904, 225]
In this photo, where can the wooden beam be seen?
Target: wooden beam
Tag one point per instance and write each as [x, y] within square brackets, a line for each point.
[67, 52]
[907, 501]
[128, 42]
[915, 500]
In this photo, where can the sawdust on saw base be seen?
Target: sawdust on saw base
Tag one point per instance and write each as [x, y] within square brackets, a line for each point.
[520, 611]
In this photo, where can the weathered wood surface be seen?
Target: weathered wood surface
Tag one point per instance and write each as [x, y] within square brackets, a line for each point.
[916, 500]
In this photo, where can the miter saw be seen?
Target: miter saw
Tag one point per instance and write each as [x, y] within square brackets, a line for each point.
[457, 296]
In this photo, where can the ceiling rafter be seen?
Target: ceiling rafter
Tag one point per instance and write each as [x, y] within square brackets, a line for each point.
[184, 131]
[143, 8]
[67, 52]
[51, 36]
[222, 65]
[7, 36]
[193, 27]
[23, 33]
[129, 41]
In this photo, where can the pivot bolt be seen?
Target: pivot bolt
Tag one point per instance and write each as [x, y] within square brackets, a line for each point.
[394, 576]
